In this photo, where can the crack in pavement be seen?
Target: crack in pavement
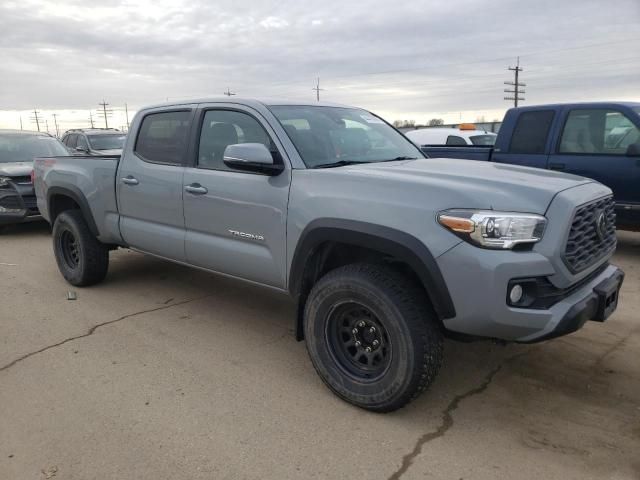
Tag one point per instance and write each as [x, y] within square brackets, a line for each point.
[92, 330]
[447, 417]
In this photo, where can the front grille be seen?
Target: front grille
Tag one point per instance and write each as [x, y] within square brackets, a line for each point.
[592, 235]
[24, 180]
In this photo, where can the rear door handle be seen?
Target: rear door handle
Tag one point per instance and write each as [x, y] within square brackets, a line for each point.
[556, 166]
[129, 180]
[196, 189]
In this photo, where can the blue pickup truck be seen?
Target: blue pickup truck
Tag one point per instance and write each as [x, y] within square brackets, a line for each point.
[595, 140]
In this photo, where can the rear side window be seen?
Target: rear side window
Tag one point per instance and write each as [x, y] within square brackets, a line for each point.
[455, 140]
[531, 132]
[163, 137]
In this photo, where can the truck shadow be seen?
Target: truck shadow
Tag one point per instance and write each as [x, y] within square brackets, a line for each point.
[39, 228]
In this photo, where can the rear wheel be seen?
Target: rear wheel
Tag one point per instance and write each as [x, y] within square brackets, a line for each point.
[372, 336]
[81, 258]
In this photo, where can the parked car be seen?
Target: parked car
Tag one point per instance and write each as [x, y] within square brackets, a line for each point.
[17, 151]
[94, 141]
[465, 134]
[595, 140]
[383, 250]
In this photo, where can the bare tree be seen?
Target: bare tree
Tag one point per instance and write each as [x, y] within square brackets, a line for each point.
[434, 122]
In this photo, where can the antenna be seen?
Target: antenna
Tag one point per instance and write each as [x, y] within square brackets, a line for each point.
[317, 89]
[516, 84]
[228, 93]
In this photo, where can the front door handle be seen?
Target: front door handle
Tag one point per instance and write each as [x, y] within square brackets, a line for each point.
[129, 180]
[556, 166]
[196, 189]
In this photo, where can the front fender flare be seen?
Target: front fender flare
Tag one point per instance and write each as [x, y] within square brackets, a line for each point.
[389, 241]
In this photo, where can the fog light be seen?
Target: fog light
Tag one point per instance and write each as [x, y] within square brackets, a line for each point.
[515, 295]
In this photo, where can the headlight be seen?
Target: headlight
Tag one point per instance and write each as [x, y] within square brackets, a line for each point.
[491, 229]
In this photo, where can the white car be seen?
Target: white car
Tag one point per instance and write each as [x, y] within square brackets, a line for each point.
[465, 135]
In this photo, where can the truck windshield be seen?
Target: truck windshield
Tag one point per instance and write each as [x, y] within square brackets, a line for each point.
[335, 136]
[483, 140]
[107, 142]
[17, 147]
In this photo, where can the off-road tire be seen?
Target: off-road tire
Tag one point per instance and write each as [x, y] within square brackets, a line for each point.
[90, 261]
[399, 308]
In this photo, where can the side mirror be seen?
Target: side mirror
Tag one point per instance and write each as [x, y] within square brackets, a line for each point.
[252, 157]
[81, 150]
[633, 150]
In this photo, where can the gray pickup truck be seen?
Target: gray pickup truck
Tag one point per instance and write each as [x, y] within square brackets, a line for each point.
[384, 251]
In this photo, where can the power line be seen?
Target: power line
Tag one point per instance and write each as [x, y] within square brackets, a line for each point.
[35, 118]
[106, 112]
[516, 84]
[55, 121]
[317, 89]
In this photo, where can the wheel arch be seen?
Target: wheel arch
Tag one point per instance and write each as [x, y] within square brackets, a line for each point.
[310, 255]
[58, 201]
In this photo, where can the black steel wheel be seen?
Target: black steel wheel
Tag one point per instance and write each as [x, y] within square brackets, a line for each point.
[81, 258]
[358, 340]
[372, 336]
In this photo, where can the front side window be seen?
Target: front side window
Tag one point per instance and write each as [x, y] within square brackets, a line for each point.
[599, 132]
[326, 136]
[82, 143]
[455, 140]
[221, 128]
[531, 132]
[163, 137]
[71, 140]
[107, 142]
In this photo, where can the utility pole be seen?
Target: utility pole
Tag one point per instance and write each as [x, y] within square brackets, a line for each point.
[20, 122]
[317, 89]
[46, 123]
[106, 112]
[91, 119]
[516, 84]
[35, 118]
[228, 93]
[55, 121]
[126, 113]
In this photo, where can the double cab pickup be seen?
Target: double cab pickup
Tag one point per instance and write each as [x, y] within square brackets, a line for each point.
[384, 251]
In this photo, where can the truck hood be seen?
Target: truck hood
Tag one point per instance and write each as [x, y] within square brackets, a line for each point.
[475, 184]
[15, 169]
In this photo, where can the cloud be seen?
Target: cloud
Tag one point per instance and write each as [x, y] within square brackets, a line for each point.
[404, 60]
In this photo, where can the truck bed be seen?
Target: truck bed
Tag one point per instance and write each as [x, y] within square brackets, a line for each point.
[81, 177]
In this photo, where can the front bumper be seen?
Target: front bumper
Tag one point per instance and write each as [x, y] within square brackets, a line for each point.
[17, 204]
[478, 281]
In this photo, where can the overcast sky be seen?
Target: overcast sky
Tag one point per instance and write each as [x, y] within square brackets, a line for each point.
[404, 60]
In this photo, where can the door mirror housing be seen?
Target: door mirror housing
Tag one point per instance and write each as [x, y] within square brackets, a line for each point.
[81, 149]
[252, 157]
[633, 150]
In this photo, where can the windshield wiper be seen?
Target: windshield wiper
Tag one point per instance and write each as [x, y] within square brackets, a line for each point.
[339, 163]
[400, 158]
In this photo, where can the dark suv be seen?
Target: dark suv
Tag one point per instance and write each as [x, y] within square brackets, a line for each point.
[94, 141]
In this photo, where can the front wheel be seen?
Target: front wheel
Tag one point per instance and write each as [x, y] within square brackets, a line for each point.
[372, 336]
[81, 258]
